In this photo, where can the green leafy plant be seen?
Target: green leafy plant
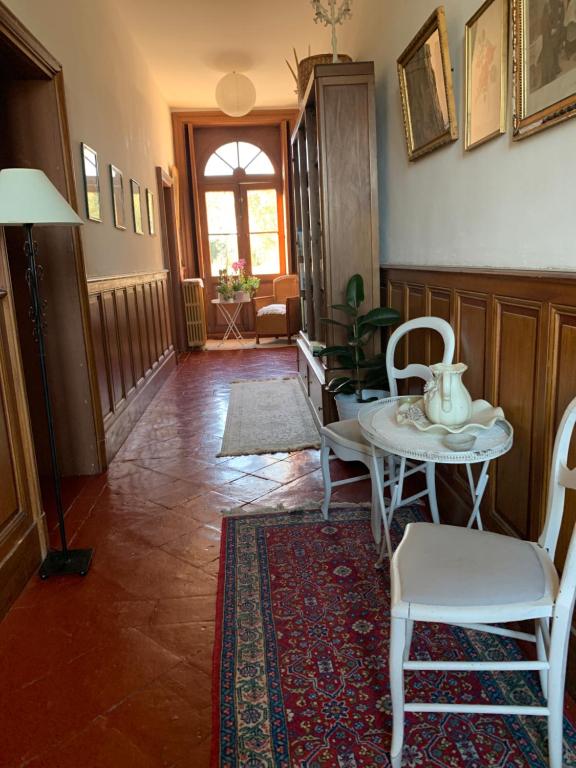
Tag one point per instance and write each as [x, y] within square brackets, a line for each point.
[251, 284]
[365, 372]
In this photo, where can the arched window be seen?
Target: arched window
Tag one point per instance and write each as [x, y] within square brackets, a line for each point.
[239, 154]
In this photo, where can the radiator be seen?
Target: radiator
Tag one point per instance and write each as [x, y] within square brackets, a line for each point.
[193, 290]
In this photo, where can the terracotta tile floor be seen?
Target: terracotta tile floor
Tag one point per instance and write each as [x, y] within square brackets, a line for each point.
[114, 670]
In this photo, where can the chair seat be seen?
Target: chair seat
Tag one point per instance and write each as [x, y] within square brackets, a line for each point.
[467, 575]
[272, 309]
[349, 434]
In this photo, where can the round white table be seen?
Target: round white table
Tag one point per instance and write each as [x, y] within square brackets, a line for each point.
[230, 311]
[381, 428]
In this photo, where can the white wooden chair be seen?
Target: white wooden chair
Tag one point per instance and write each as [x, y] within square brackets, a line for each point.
[416, 370]
[345, 439]
[475, 579]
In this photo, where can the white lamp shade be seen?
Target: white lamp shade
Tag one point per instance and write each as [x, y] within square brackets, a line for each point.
[235, 94]
[27, 196]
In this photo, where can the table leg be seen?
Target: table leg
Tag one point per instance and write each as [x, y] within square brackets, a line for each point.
[230, 319]
[477, 493]
[431, 485]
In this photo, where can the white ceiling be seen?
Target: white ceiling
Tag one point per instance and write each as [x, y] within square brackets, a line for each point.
[191, 44]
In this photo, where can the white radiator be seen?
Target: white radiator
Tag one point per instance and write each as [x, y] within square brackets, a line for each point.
[193, 290]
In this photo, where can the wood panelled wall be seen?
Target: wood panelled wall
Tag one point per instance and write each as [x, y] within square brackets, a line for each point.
[132, 339]
[517, 334]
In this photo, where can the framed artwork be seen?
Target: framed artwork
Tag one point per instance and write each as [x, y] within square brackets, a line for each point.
[544, 64]
[136, 206]
[486, 73]
[150, 210]
[117, 183]
[425, 75]
[91, 182]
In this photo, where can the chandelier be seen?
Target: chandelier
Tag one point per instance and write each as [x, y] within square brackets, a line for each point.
[331, 16]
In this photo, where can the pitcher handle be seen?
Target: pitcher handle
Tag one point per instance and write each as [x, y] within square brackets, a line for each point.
[446, 392]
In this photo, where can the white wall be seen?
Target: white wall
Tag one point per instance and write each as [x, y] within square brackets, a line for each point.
[115, 106]
[505, 204]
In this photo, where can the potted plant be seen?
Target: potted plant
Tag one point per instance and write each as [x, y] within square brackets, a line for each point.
[225, 288]
[251, 284]
[367, 380]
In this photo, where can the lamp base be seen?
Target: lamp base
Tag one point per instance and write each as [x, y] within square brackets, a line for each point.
[75, 562]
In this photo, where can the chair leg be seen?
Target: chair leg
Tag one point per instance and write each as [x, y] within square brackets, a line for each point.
[542, 656]
[397, 644]
[257, 339]
[431, 485]
[325, 464]
[376, 515]
[409, 633]
[556, 678]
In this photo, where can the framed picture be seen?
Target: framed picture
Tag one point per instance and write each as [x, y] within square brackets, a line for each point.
[150, 210]
[91, 182]
[544, 64]
[425, 75]
[486, 73]
[136, 206]
[117, 183]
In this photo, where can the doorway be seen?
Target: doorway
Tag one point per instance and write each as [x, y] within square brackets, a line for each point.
[241, 210]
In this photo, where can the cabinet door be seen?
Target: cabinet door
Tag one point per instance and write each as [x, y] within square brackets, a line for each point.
[22, 538]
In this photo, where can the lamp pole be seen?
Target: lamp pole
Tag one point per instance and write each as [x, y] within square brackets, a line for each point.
[64, 561]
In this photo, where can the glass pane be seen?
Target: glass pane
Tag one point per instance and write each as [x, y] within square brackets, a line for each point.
[223, 252]
[221, 213]
[217, 167]
[247, 153]
[262, 210]
[265, 252]
[229, 153]
[260, 165]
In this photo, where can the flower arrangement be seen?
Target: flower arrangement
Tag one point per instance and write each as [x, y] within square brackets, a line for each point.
[238, 282]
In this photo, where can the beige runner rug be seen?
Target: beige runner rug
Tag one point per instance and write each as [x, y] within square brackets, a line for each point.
[268, 416]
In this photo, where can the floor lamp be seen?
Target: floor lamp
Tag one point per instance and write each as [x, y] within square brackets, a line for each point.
[28, 199]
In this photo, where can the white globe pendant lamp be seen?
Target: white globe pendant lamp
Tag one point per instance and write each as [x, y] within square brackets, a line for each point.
[235, 94]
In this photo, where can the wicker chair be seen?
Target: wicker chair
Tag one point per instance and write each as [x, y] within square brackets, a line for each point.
[279, 314]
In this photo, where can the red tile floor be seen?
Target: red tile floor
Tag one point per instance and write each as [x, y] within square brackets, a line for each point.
[114, 670]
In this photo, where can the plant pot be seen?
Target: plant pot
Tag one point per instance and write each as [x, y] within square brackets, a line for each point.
[241, 295]
[348, 407]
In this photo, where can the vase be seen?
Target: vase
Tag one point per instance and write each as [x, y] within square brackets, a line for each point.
[348, 406]
[446, 399]
[241, 296]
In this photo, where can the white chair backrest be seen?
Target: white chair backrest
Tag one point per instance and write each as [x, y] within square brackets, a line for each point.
[416, 369]
[560, 478]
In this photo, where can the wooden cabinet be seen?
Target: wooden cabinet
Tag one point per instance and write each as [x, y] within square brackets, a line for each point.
[22, 533]
[335, 204]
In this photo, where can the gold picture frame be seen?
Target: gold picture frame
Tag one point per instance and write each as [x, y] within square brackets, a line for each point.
[486, 81]
[426, 89]
[118, 207]
[136, 196]
[91, 174]
[544, 50]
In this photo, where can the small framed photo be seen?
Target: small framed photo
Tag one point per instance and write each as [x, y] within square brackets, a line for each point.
[136, 206]
[544, 64]
[486, 73]
[425, 75]
[91, 182]
[117, 183]
[150, 210]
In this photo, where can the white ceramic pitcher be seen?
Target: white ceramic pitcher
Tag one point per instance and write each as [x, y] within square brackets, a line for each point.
[446, 399]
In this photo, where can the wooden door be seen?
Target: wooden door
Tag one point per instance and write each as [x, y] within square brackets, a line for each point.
[22, 532]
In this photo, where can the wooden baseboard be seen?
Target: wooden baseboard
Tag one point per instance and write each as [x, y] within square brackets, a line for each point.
[17, 568]
[126, 417]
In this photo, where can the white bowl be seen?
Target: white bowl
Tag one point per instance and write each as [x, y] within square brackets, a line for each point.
[459, 441]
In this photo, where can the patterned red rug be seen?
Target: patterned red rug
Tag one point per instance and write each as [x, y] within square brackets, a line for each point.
[301, 653]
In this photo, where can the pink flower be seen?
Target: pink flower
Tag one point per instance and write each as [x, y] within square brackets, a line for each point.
[239, 265]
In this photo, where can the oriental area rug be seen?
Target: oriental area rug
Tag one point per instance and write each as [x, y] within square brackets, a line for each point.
[268, 416]
[301, 659]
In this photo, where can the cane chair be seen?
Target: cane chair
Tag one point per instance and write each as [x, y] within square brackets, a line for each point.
[474, 579]
[345, 439]
[279, 314]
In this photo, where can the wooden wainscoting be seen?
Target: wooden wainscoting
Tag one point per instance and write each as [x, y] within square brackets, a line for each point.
[516, 331]
[134, 354]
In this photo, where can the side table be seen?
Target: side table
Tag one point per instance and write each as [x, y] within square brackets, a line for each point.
[230, 311]
[382, 430]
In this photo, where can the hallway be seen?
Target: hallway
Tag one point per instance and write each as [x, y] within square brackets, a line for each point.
[115, 669]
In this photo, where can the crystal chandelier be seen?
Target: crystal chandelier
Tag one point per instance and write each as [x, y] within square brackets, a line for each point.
[331, 16]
